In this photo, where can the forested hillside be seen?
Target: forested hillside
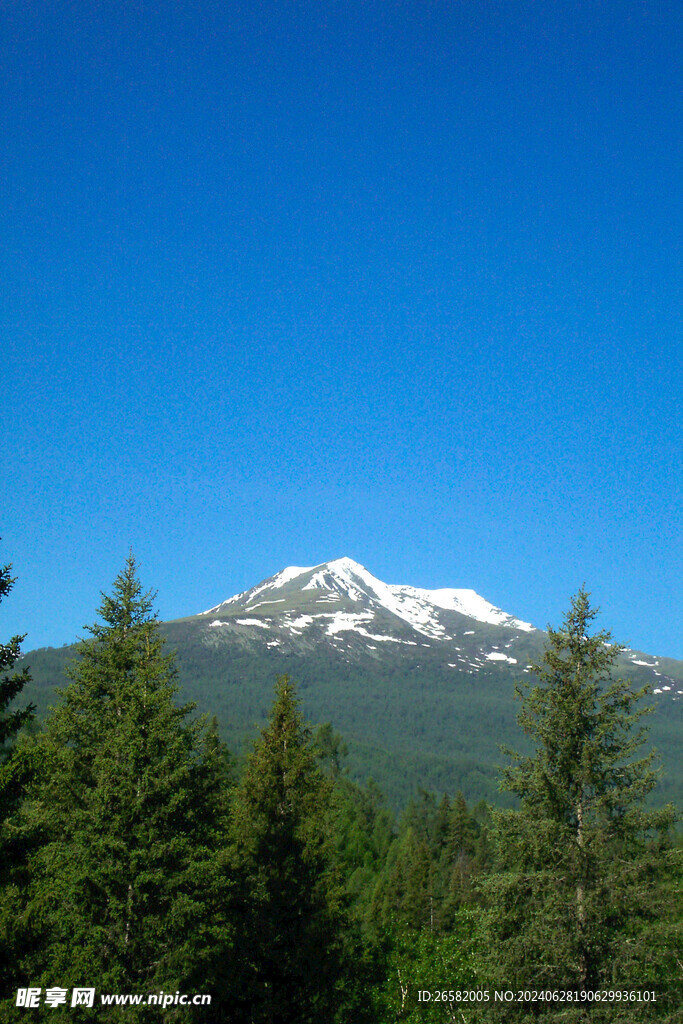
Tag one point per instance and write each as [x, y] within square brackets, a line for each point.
[420, 683]
[138, 858]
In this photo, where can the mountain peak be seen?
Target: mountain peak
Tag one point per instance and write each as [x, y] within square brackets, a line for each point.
[339, 609]
[345, 564]
[340, 566]
[359, 597]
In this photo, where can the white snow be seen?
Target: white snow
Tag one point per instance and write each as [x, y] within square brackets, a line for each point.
[372, 636]
[647, 664]
[343, 622]
[301, 621]
[252, 622]
[468, 602]
[412, 604]
[418, 607]
[233, 600]
[346, 620]
[290, 573]
[497, 656]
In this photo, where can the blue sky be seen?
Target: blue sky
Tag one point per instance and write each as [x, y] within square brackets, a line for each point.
[289, 281]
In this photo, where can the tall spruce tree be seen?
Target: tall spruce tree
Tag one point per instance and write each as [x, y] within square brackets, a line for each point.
[11, 686]
[123, 893]
[576, 903]
[15, 770]
[294, 935]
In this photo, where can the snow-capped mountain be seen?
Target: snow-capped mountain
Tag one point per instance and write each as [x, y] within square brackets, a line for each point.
[339, 606]
[342, 603]
[346, 579]
[420, 683]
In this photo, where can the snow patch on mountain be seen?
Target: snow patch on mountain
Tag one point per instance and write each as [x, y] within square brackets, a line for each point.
[342, 621]
[291, 573]
[469, 603]
[301, 621]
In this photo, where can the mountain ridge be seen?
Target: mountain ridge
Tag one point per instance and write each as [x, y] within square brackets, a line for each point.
[347, 603]
[421, 689]
[345, 571]
[361, 600]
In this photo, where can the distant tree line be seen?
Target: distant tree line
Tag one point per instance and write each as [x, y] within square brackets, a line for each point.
[134, 858]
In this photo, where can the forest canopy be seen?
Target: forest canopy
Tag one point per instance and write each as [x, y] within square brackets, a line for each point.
[136, 859]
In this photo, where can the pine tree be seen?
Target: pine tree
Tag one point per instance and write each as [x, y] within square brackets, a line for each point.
[11, 685]
[15, 769]
[575, 901]
[122, 881]
[292, 936]
[458, 858]
[461, 832]
[361, 824]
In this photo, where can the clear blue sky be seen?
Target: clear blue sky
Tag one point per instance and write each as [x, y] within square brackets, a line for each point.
[283, 282]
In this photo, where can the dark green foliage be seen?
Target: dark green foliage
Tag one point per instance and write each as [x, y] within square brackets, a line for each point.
[331, 749]
[122, 886]
[431, 868]
[295, 941]
[10, 685]
[361, 825]
[577, 897]
[296, 896]
[15, 770]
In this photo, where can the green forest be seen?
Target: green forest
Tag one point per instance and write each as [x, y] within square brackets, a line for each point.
[138, 857]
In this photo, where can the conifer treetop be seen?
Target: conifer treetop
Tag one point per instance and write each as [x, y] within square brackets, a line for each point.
[128, 606]
[585, 723]
[123, 659]
[11, 685]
